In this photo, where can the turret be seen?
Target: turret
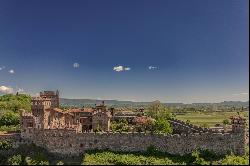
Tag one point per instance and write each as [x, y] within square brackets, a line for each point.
[238, 124]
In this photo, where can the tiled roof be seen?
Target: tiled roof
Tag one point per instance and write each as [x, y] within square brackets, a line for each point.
[237, 117]
[57, 110]
[142, 119]
[81, 110]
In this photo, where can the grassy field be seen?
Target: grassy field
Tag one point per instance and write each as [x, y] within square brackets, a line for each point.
[210, 118]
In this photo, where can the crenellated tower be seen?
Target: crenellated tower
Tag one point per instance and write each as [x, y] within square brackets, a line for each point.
[46, 100]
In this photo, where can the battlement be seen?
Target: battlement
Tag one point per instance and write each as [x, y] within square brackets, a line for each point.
[184, 127]
[49, 93]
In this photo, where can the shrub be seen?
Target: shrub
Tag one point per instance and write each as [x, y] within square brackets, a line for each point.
[152, 150]
[59, 163]
[235, 160]
[15, 160]
[5, 145]
[197, 159]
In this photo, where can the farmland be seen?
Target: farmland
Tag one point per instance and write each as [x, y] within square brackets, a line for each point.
[209, 118]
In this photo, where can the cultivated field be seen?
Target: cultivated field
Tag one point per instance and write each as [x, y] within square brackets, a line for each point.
[209, 118]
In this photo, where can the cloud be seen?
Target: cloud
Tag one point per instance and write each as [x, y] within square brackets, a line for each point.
[121, 68]
[6, 89]
[76, 65]
[238, 94]
[152, 67]
[11, 71]
[2, 67]
[118, 68]
[127, 68]
[20, 90]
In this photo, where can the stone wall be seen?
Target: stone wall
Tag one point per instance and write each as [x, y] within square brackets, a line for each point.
[69, 142]
[183, 127]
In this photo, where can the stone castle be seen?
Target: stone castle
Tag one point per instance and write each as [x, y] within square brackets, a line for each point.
[71, 132]
[47, 115]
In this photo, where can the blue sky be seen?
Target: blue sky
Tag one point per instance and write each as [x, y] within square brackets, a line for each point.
[198, 50]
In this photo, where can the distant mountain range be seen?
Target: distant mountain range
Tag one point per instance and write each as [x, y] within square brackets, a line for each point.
[92, 102]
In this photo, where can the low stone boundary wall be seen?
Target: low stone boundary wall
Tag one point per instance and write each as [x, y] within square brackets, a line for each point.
[69, 142]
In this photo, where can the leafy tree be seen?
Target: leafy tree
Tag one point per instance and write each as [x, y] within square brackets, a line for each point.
[121, 125]
[162, 126]
[15, 160]
[15, 102]
[9, 118]
[226, 122]
[157, 110]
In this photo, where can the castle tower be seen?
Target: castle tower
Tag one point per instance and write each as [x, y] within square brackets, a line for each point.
[52, 96]
[238, 124]
[238, 131]
[46, 100]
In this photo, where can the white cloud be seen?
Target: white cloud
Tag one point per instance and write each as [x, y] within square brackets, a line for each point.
[76, 65]
[238, 94]
[152, 67]
[2, 67]
[11, 71]
[121, 68]
[20, 90]
[127, 68]
[118, 68]
[5, 89]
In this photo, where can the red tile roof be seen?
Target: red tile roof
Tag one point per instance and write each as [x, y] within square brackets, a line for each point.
[142, 119]
[80, 110]
[57, 110]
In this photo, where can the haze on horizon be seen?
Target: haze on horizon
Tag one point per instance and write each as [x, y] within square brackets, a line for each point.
[172, 51]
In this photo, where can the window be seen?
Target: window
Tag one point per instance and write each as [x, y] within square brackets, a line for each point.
[81, 145]
[29, 124]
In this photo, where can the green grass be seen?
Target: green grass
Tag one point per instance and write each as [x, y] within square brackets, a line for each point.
[210, 118]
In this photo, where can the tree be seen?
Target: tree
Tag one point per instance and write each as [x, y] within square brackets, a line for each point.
[157, 110]
[121, 125]
[9, 118]
[162, 126]
[226, 122]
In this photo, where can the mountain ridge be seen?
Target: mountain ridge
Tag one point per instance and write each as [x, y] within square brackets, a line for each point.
[77, 102]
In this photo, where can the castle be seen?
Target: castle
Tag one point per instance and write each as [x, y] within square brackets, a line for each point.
[47, 115]
[70, 132]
